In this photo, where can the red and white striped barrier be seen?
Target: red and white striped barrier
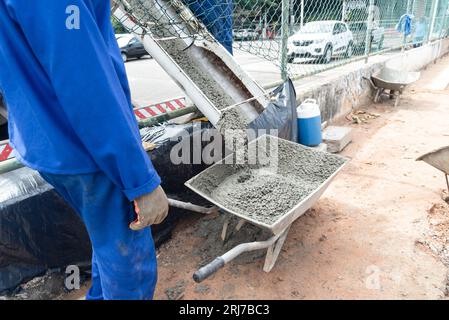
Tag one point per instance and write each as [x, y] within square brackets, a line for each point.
[160, 109]
[5, 152]
[142, 113]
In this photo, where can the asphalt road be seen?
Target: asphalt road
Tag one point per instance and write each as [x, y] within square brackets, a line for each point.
[150, 84]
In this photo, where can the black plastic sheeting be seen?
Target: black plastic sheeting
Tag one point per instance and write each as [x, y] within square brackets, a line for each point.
[280, 114]
[39, 231]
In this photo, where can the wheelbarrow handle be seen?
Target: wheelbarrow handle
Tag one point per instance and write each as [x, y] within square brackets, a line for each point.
[371, 82]
[208, 270]
[219, 262]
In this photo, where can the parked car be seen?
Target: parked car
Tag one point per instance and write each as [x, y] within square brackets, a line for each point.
[321, 40]
[130, 46]
[245, 34]
[359, 30]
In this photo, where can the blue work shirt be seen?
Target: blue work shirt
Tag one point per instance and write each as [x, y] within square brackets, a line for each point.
[68, 98]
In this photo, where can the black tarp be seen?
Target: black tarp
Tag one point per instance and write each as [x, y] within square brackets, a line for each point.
[280, 114]
[38, 230]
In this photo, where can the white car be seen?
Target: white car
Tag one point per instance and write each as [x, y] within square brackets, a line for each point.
[245, 34]
[321, 40]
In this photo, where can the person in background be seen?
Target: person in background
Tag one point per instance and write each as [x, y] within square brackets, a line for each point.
[420, 32]
[71, 119]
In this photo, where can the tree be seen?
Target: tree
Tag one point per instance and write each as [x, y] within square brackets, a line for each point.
[118, 26]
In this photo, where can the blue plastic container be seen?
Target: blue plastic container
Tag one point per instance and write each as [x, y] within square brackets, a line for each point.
[309, 123]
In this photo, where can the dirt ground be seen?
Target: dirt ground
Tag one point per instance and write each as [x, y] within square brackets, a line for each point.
[381, 231]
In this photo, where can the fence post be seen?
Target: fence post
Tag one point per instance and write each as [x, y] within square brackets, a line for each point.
[344, 10]
[369, 30]
[302, 13]
[285, 34]
[292, 13]
[434, 11]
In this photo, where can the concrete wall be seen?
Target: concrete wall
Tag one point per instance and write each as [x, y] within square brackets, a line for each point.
[343, 89]
[417, 59]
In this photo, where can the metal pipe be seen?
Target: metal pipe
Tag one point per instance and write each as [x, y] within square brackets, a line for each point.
[192, 207]
[292, 13]
[344, 10]
[434, 11]
[302, 13]
[285, 35]
[13, 164]
[10, 165]
[250, 246]
[209, 269]
[167, 116]
[369, 30]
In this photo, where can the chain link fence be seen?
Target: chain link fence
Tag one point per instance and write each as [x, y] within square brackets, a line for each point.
[300, 37]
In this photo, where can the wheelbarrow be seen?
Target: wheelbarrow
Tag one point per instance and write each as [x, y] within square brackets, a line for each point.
[438, 159]
[310, 164]
[392, 80]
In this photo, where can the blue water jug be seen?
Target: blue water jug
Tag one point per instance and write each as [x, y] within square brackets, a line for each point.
[309, 123]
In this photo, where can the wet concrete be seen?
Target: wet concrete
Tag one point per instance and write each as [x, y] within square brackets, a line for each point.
[186, 57]
[232, 121]
[265, 192]
[178, 50]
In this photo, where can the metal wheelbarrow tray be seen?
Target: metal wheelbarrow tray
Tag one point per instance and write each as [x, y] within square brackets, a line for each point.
[302, 173]
[393, 80]
[438, 159]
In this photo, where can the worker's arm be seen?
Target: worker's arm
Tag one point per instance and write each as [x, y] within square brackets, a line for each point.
[77, 62]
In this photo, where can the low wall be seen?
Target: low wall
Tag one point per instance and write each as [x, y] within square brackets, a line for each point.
[340, 90]
[419, 58]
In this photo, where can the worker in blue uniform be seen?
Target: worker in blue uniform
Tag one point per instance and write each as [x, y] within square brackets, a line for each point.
[71, 119]
[217, 17]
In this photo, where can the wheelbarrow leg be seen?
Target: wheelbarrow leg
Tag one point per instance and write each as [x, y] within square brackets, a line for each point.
[447, 183]
[398, 98]
[224, 231]
[274, 250]
[240, 224]
[377, 96]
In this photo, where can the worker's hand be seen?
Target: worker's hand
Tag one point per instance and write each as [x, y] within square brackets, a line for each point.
[151, 209]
